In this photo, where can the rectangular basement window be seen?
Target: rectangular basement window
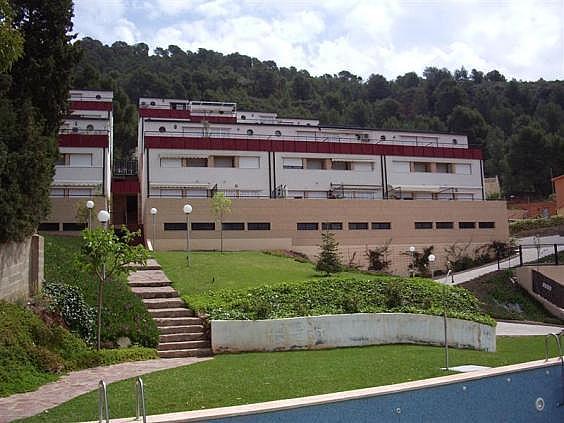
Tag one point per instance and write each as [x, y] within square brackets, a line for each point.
[203, 226]
[308, 226]
[258, 226]
[358, 226]
[332, 226]
[233, 226]
[444, 225]
[466, 225]
[486, 225]
[73, 226]
[423, 225]
[381, 225]
[48, 226]
[175, 226]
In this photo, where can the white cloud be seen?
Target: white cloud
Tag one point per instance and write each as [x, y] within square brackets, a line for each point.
[105, 21]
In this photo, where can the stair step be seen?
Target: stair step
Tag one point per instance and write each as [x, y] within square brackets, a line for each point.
[155, 292]
[177, 321]
[148, 275]
[148, 284]
[180, 329]
[159, 303]
[181, 337]
[183, 345]
[171, 312]
[195, 352]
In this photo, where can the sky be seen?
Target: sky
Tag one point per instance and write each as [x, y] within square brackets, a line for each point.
[523, 39]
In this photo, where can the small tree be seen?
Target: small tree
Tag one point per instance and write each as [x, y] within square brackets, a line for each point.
[420, 261]
[378, 257]
[108, 256]
[220, 206]
[328, 260]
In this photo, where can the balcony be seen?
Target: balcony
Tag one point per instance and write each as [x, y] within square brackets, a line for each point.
[125, 167]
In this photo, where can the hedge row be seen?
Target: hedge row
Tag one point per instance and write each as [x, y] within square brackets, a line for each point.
[339, 296]
[528, 224]
[33, 353]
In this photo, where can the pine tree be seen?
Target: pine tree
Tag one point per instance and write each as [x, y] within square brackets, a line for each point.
[328, 261]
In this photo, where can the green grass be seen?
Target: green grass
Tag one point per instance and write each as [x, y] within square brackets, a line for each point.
[255, 377]
[246, 269]
[123, 312]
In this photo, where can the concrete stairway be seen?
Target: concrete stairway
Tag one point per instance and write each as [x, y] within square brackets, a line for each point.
[181, 333]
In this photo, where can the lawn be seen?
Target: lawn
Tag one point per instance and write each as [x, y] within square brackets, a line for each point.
[236, 379]
[214, 270]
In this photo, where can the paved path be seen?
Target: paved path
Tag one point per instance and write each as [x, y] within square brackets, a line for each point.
[529, 255]
[524, 329]
[77, 383]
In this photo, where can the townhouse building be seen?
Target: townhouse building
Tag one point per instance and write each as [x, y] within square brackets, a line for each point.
[291, 178]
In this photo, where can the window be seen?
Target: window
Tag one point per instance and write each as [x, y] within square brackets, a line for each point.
[203, 226]
[74, 226]
[422, 167]
[48, 226]
[292, 163]
[423, 225]
[310, 226]
[466, 225]
[171, 162]
[444, 225]
[175, 226]
[61, 160]
[341, 165]
[258, 226]
[444, 168]
[381, 225]
[224, 161]
[486, 225]
[363, 166]
[314, 164]
[57, 192]
[233, 226]
[278, 133]
[243, 117]
[162, 129]
[463, 168]
[400, 167]
[90, 127]
[249, 162]
[249, 132]
[80, 192]
[195, 162]
[80, 160]
[332, 226]
[358, 226]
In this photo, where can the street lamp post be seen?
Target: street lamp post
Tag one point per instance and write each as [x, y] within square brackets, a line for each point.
[90, 206]
[445, 317]
[187, 209]
[103, 218]
[431, 262]
[154, 212]
[412, 252]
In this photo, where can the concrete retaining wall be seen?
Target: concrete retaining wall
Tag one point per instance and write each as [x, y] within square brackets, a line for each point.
[21, 268]
[347, 330]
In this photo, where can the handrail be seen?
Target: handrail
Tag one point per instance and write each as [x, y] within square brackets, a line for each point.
[103, 405]
[558, 345]
[140, 396]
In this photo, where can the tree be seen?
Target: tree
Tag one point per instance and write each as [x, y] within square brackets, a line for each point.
[377, 88]
[220, 206]
[328, 261]
[470, 122]
[378, 257]
[107, 256]
[11, 41]
[420, 261]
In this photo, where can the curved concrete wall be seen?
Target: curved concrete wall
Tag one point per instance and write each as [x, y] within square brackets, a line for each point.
[347, 330]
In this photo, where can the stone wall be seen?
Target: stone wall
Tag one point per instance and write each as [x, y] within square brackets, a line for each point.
[21, 268]
[347, 330]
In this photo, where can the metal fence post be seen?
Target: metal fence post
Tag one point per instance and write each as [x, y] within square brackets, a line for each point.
[556, 254]
[520, 255]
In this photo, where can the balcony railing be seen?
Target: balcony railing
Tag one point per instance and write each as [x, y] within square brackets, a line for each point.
[65, 131]
[418, 142]
[125, 167]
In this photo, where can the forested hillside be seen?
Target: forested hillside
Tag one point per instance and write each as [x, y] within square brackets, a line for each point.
[519, 125]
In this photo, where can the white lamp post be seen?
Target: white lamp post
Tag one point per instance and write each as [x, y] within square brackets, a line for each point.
[449, 273]
[412, 252]
[154, 212]
[90, 206]
[431, 262]
[187, 209]
[103, 218]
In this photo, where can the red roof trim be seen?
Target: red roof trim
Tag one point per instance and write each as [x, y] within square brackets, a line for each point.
[83, 140]
[193, 143]
[90, 105]
[126, 186]
[164, 113]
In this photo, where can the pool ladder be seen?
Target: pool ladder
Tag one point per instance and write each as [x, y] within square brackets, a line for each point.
[104, 408]
[557, 338]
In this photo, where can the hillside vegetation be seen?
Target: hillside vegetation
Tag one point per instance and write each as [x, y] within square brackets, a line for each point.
[519, 125]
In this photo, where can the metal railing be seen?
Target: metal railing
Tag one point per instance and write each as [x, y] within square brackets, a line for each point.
[83, 131]
[103, 406]
[543, 254]
[125, 167]
[316, 138]
[140, 397]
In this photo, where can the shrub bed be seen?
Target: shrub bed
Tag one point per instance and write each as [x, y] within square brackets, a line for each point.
[529, 224]
[124, 314]
[339, 296]
[33, 353]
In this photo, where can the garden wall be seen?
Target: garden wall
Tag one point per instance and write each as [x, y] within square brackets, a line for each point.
[21, 268]
[347, 330]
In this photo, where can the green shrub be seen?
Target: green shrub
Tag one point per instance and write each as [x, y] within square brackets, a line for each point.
[338, 296]
[68, 302]
[124, 314]
[528, 224]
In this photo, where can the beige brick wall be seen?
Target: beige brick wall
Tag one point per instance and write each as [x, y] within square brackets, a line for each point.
[21, 268]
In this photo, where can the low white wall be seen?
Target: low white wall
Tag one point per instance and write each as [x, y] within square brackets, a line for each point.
[347, 330]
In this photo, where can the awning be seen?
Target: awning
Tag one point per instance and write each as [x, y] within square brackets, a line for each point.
[417, 188]
[63, 184]
[183, 156]
[176, 185]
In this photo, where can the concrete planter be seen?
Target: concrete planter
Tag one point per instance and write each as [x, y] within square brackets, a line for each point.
[347, 330]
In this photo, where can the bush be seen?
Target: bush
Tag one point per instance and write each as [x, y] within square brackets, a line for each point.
[529, 224]
[328, 261]
[68, 302]
[339, 296]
